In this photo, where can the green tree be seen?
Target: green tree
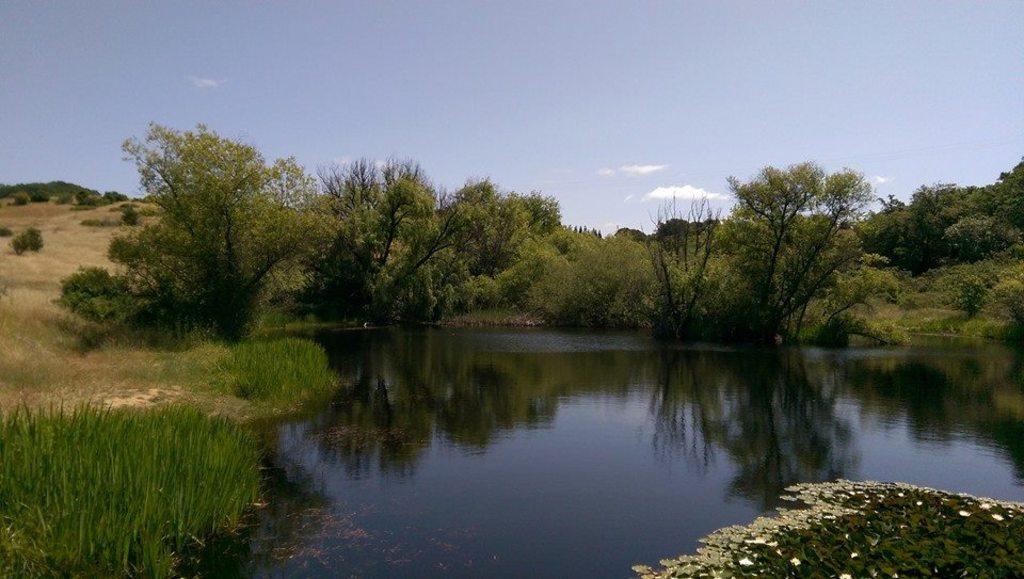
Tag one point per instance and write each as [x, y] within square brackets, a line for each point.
[392, 240]
[232, 229]
[788, 237]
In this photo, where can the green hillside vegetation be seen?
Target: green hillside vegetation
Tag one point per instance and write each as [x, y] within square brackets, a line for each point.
[61, 192]
[800, 258]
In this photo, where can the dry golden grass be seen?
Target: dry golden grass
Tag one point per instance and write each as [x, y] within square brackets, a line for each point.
[41, 361]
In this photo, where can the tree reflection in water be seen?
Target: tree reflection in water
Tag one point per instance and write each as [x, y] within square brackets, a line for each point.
[770, 418]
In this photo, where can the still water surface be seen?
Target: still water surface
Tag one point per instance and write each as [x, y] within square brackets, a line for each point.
[539, 453]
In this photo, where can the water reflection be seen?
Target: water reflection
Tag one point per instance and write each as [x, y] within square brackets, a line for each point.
[451, 452]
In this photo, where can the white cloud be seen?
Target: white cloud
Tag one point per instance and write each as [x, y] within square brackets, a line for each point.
[879, 180]
[201, 82]
[637, 170]
[682, 192]
[628, 198]
[605, 172]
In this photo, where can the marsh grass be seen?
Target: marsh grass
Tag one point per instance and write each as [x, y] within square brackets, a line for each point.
[280, 369]
[105, 493]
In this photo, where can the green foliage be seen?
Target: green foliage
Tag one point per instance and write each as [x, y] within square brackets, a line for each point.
[969, 293]
[20, 198]
[47, 190]
[974, 238]
[282, 369]
[946, 224]
[6, 232]
[866, 530]
[392, 245]
[98, 493]
[1009, 293]
[788, 238]
[65, 199]
[231, 232]
[29, 240]
[605, 283]
[98, 296]
[39, 196]
[129, 215]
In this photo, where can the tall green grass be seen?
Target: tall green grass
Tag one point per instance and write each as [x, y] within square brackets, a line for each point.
[278, 370]
[100, 493]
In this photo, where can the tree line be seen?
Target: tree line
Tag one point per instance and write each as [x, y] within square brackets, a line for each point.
[796, 258]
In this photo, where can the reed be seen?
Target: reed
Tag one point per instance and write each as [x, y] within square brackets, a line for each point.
[279, 370]
[104, 493]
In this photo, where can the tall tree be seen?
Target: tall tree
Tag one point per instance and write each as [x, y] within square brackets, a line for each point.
[231, 228]
[790, 235]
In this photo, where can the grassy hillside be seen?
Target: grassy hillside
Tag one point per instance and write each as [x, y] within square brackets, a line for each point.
[45, 355]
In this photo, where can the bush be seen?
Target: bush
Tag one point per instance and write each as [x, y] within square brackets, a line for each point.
[1009, 293]
[20, 198]
[29, 240]
[98, 296]
[38, 196]
[969, 293]
[65, 199]
[6, 232]
[99, 493]
[282, 369]
[129, 215]
[604, 283]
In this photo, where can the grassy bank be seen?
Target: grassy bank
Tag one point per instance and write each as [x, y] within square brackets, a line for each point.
[853, 529]
[131, 479]
[283, 370]
[96, 492]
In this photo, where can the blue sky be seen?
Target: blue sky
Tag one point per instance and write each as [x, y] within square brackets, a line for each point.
[605, 105]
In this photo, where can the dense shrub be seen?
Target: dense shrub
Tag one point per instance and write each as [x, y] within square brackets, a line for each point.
[6, 232]
[39, 196]
[29, 240]
[129, 215]
[1009, 293]
[96, 493]
[969, 293]
[606, 283]
[98, 296]
[283, 369]
[65, 199]
[20, 198]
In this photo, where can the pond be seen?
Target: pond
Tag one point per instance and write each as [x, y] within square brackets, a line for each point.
[541, 453]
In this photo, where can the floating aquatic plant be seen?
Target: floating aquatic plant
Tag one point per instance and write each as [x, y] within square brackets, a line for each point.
[865, 529]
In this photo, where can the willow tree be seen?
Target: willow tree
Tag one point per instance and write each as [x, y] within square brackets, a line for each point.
[789, 236]
[231, 228]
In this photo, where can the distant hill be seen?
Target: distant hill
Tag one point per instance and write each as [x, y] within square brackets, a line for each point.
[47, 190]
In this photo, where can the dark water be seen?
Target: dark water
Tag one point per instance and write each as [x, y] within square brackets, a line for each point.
[505, 453]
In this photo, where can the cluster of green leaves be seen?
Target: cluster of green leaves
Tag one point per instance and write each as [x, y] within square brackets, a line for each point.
[946, 224]
[231, 229]
[399, 248]
[98, 296]
[866, 530]
[279, 370]
[98, 493]
[5, 231]
[785, 258]
[595, 283]
[29, 240]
